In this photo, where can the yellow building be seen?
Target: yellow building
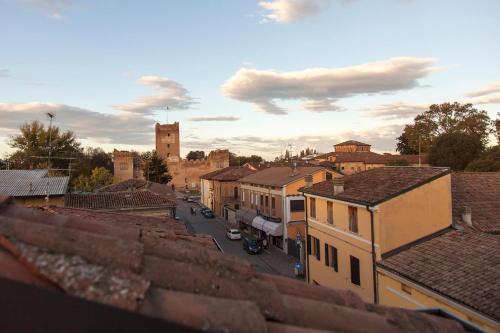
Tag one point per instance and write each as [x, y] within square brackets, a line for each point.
[273, 207]
[457, 271]
[353, 221]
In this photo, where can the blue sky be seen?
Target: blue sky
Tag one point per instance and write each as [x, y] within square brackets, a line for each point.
[252, 76]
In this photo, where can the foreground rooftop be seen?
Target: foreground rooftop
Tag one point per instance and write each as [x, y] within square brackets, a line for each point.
[154, 267]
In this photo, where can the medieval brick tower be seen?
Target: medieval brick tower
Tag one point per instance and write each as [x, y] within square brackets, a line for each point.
[168, 144]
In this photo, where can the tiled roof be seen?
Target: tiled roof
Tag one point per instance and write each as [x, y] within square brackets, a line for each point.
[370, 157]
[377, 185]
[233, 174]
[30, 183]
[157, 270]
[480, 191]
[463, 265]
[216, 172]
[140, 185]
[279, 176]
[352, 143]
[117, 200]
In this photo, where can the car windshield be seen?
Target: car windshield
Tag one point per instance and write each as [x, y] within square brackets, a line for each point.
[236, 232]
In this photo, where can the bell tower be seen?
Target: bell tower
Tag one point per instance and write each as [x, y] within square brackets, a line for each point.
[168, 141]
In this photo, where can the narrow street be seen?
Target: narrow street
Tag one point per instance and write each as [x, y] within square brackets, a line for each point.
[271, 260]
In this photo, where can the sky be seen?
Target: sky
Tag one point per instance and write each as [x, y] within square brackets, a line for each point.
[252, 76]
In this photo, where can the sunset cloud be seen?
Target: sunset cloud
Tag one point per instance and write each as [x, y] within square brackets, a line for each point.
[488, 94]
[396, 110]
[285, 11]
[96, 126]
[170, 94]
[214, 118]
[319, 88]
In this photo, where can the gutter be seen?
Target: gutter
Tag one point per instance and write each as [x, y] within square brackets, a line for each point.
[306, 239]
[374, 257]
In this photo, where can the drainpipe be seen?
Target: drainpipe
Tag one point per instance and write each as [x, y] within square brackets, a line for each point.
[374, 257]
[306, 240]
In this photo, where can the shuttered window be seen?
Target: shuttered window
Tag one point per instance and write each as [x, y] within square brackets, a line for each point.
[327, 257]
[355, 278]
[318, 250]
[335, 259]
[308, 244]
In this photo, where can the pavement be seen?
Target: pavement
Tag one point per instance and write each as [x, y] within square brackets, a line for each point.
[271, 260]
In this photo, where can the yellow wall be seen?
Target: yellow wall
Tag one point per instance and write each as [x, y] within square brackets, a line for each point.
[392, 294]
[415, 214]
[326, 276]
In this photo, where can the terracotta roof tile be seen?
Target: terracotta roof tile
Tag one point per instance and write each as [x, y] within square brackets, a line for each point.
[480, 191]
[461, 264]
[117, 200]
[180, 278]
[139, 185]
[279, 176]
[379, 184]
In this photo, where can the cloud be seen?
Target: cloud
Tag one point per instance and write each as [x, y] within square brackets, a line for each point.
[319, 88]
[285, 11]
[488, 94]
[382, 138]
[170, 93]
[4, 72]
[214, 118]
[396, 110]
[54, 9]
[86, 124]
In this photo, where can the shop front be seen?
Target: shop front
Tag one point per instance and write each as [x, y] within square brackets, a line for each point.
[271, 231]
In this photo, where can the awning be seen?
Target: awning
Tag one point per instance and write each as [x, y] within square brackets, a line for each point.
[245, 216]
[270, 228]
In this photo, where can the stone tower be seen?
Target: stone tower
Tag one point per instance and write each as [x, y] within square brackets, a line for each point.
[168, 144]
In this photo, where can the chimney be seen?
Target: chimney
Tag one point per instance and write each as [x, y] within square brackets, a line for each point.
[467, 216]
[309, 181]
[338, 185]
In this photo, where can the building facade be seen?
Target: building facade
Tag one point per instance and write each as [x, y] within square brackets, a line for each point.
[127, 165]
[353, 221]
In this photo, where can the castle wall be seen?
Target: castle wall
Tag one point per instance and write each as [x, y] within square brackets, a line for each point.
[168, 144]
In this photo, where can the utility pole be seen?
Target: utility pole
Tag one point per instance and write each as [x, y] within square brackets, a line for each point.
[51, 116]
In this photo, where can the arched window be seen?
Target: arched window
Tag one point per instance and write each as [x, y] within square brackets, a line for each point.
[235, 192]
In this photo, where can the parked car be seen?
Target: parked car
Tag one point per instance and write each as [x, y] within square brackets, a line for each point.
[207, 213]
[233, 234]
[252, 245]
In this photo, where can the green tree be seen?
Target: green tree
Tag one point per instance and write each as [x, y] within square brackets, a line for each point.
[443, 119]
[455, 150]
[101, 177]
[195, 155]
[497, 128]
[487, 162]
[33, 142]
[235, 160]
[155, 168]
[397, 162]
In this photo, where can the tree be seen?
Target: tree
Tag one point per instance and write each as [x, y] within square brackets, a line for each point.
[155, 169]
[455, 150]
[488, 161]
[195, 155]
[235, 160]
[33, 142]
[443, 119]
[497, 128]
[397, 162]
[99, 177]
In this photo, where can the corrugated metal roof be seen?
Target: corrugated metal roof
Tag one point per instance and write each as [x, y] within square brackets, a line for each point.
[28, 183]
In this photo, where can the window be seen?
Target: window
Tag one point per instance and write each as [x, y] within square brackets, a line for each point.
[342, 168]
[168, 145]
[312, 209]
[267, 201]
[331, 258]
[296, 205]
[168, 154]
[313, 247]
[273, 202]
[235, 192]
[353, 219]
[261, 200]
[243, 197]
[328, 176]
[168, 134]
[123, 166]
[329, 212]
[406, 288]
[355, 279]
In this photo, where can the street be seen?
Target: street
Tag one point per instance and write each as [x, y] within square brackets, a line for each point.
[271, 260]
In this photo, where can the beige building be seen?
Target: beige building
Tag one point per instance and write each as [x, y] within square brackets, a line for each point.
[185, 173]
[354, 221]
[351, 157]
[458, 270]
[272, 206]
